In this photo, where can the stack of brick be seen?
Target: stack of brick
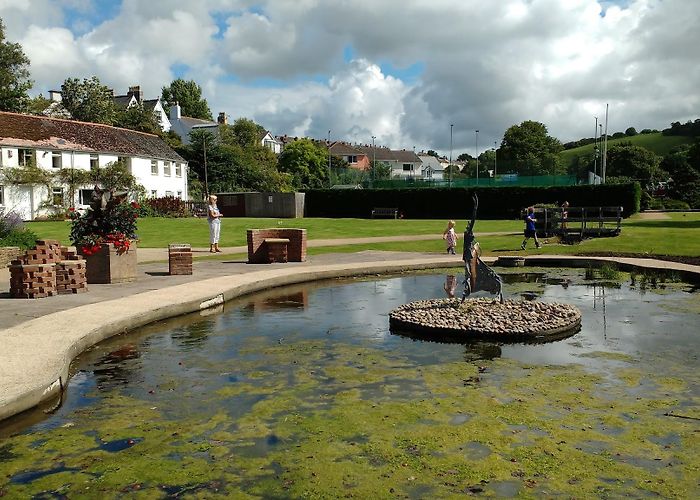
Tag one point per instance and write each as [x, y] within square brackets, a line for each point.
[179, 258]
[46, 270]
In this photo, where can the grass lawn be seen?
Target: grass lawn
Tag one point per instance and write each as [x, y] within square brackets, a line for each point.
[676, 235]
[156, 232]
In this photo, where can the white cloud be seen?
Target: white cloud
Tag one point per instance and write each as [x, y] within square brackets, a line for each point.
[486, 65]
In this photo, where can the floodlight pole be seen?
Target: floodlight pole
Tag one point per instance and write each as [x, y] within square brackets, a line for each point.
[449, 167]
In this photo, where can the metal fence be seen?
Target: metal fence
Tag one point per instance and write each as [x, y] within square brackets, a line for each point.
[504, 180]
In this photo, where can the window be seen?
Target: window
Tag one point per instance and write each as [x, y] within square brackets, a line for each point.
[178, 170]
[94, 161]
[57, 196]
[154, 167]
[352, 159]
[24, 157]
[56, 159]
[2, 195]
[154, 193]
[85, 196]
[408, 167]
[179, 194]
[166, 168]
[168, 193]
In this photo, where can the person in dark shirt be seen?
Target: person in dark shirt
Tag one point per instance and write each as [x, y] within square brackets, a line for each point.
[530, 231]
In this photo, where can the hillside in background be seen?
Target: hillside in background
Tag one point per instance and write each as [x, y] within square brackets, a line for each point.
[656, 142]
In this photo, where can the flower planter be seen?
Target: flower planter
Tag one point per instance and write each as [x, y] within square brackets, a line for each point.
[108, 266]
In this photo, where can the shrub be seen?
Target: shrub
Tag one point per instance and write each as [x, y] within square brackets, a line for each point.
[23, 238]
[110, 219]
[10, 221]
[13, 233]
[167, 206]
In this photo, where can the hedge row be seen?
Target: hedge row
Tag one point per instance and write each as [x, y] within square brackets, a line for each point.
[455, 203]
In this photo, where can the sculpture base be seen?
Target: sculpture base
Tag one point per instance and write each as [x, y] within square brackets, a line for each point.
[454, 320]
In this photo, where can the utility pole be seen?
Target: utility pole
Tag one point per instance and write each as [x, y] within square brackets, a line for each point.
[476, 152]
[449, 171]
[206, 178]
[374, 160]
[595, 149]
[329, 159]
[605, 146]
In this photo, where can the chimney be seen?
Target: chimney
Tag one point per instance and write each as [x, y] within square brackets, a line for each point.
[136, 92]
[55, 95]
[175, 112]
[222, 120]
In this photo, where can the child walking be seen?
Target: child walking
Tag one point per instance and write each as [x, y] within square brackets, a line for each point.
[530, 231]
[450, 237]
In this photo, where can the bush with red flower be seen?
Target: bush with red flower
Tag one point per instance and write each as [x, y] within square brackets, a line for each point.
[110, 219]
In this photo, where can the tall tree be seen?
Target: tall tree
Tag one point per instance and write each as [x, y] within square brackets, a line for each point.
[89, 100]
[230, 167]
[14, 75]
[306, 162]
[529, 150]
[188, 95]
[137, 118]
[638, 163]
[244, 132]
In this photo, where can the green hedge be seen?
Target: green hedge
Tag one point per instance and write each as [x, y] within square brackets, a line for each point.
[455, 203]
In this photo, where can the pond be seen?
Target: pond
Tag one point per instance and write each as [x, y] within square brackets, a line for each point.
[304, 392]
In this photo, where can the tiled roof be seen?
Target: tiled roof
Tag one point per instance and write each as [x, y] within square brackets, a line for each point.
[197, 122]
[344, 149]
[40, 132]
[386, 154]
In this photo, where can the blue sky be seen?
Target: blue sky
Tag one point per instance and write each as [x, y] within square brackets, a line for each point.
[401, 71]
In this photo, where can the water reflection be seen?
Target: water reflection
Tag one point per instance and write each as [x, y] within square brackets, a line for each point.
[177, 363]
[450, 285]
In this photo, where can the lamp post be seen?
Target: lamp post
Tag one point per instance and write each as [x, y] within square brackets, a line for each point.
[449, 167]
[476, 153]
[595, 148]
[495, 153]
[329, 159]
[374, 160]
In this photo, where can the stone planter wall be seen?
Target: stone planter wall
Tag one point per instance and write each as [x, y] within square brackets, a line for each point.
[107, 266]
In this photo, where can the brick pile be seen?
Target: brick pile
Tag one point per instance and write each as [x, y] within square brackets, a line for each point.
[179, 258]
[46, 270]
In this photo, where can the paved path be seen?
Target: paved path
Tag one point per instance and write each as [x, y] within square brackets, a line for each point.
[40, 337]
[161, 254]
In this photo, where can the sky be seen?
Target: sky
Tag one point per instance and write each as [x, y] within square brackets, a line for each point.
[423, 74]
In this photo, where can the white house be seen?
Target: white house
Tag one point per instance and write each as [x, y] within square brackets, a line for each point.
[183, 125]
[431, 167]
[404, 164]
[134, 97]
[54, 144]
[270, 142]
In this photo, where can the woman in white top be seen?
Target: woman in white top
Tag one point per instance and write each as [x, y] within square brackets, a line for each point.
[214, 218]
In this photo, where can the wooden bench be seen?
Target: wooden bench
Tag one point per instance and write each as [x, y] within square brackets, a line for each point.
[276, 249]
[385, 212]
